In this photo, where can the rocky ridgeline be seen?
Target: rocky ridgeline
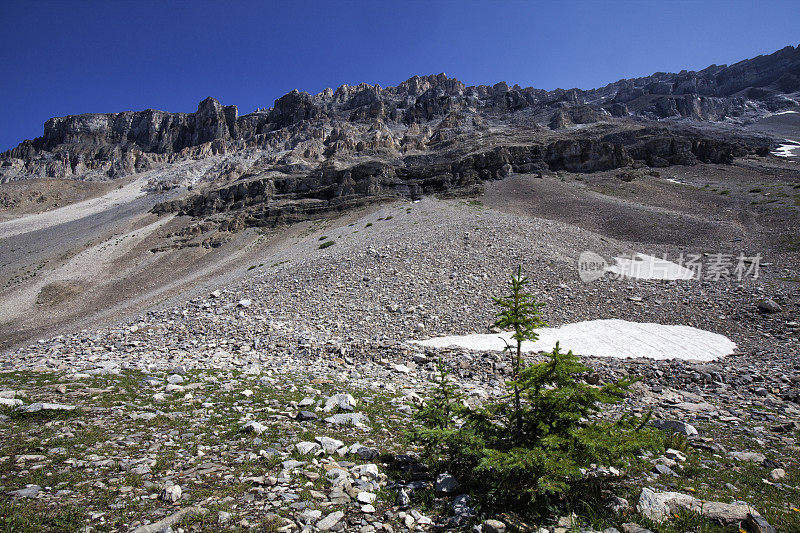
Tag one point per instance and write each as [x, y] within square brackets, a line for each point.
[269, 200]
[422, 114]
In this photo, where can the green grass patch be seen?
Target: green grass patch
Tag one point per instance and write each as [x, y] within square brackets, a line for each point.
[26, 516]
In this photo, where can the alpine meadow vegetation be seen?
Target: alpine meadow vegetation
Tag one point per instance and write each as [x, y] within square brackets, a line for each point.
[542, 447]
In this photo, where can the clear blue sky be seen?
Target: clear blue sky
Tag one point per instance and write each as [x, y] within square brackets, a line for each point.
[68, 57]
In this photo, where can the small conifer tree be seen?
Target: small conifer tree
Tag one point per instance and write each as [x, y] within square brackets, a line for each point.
[530, 449]
[520, 312]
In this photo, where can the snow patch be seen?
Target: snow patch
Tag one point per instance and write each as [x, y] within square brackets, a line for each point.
[642, 266]
[787, 149]
[615, 338]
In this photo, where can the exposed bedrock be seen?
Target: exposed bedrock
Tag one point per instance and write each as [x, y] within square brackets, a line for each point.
[269, 200]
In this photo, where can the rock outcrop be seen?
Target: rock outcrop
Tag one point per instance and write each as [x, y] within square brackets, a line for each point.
[266, 200]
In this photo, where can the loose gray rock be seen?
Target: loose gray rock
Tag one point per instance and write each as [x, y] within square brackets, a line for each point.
[769, 306]
[757, 524]
[662, 469]
[651, 506]
[677, 426]
[630, 527]
[306, 448]
[494, 526]
[330, 521]
[171, 493]
[175, 379]
[30, 491]
[10, 402]
[165, 523]
[254, 427]
[348, 419]
[329, 445]
[751, 457]
[366, 497]
[291, 464]
[36, 407]
[403, 499]
[446, 484]
[343, 401]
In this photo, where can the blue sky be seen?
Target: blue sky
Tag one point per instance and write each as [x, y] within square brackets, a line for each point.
[70, 57]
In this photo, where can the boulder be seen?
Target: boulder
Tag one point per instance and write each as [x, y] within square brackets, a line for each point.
[677, 426]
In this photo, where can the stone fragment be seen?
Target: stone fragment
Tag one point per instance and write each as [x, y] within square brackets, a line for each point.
[777, 474]
[446, 484]
[166, 523]
[757, 524]
[30, 491]
[348, 419]
[306, 448]
[769, 306]
[343, 401]
[366, 497]
[751, 457]
[171, 493]
[10, 402]
[677, 426]
[630, 527]
[328, 444]
[330, 521]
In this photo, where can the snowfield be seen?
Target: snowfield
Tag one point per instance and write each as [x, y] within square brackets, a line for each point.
[642, 266]
[607, 338]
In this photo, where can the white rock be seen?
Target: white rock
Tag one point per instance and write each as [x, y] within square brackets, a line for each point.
[370, 470]
[342, 401]
[305, 402]
[172, 493]
[348, 419]
[254, 427]
[329, 521]
[306, 448]
[366, 497]
[328, 444]
[777, 474]
[10, 402]
[753, 457]
[36, 407]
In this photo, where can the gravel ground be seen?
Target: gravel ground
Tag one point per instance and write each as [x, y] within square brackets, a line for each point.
[312, 320]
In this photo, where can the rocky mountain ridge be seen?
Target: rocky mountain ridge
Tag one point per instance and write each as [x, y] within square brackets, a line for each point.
[356, 144]
[398, 119]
